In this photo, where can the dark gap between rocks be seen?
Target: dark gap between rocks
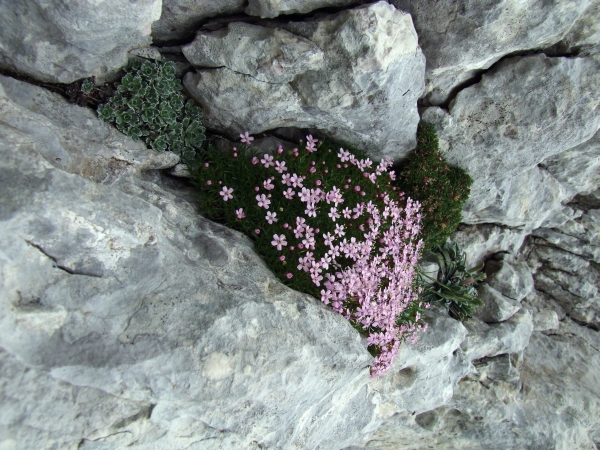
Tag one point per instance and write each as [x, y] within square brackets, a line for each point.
[478, 74]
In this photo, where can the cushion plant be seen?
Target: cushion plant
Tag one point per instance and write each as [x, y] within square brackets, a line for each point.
[328, 223]
[149, 105]
[441, 189]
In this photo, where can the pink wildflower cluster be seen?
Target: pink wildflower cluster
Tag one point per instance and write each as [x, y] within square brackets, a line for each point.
[380, 282]
[379, 237]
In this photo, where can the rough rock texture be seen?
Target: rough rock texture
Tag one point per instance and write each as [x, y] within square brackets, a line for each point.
[461, 38]
[129, 320]
[424, 375]
[273, 8]
[494, 413]
[363, 91]
[518, 118]
[512, 280]
[480, 242]
[584, 35]
[249, 49]
[511, 336]
[181, 18]
[498, 307]
[565, 263]
[578, 169]
[63, 41]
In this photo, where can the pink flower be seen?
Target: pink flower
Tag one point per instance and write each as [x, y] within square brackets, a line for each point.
[289, 193]
[208, 182]
[310, 144]
[263, 201]
[240, 213]
[357, 188]
[333, 214]
[271, 217]
[344, 155]
[282, 258]
[246, 138]
[280, 166]
[289, 275]
[268, 185]
[312, 170]
[257, 231]
[310, 211]
[254, 161]
[296, 180]
[206, 164]
[267, 160]
[279, 151]
[278, 241]
[226, 193]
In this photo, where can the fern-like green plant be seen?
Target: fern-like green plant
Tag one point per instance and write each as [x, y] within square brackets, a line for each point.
[455, 285]
[149, 105]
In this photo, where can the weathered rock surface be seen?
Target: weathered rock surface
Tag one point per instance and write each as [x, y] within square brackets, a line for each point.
[550, 411]
[461, 38]
[180, 19]
[511, 279]
[424, 375]
[130, 321]
[565, 264]
[274, 8]
[578, 169]
[479, 242]
[363, 91]
[62, 42]
[498, 307]
[584, 35]
[511, 336]
[502, 127]
[232, 46]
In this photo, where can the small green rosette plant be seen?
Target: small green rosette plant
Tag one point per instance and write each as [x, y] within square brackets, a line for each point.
[328, 223]
[454, 286]
[149, 105]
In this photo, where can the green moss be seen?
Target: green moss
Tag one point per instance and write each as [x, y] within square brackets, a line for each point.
[441, 189]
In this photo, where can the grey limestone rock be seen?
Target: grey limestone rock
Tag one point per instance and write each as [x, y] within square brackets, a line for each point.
[274, 8]
[424, 375]
[481, 241]
[129, 321]
[363, 91]
[577, 169]
[584, 35]
[564, 261]
[180, 19]
[462, 38]
[511, 336]
[249, 49]
[511, 279]
[498, 307]
[558, 406]
[63, 41]
[500, 129]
